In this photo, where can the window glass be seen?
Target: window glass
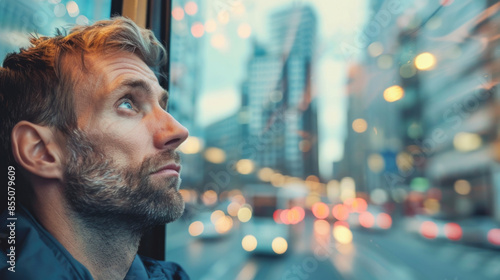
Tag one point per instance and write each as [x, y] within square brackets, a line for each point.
[21, 17]
[368, 128]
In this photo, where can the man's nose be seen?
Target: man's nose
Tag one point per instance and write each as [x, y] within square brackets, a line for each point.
[170, 133]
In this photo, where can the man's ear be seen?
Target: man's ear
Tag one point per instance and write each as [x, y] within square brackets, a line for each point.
[37, 150]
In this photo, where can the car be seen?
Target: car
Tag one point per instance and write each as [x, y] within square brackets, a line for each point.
[371, 218]
[211, 225]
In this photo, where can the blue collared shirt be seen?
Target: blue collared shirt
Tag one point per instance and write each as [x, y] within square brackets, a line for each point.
[38, 255]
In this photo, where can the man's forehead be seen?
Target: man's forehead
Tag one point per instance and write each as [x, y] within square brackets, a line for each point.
[114, 66]
[123, 70]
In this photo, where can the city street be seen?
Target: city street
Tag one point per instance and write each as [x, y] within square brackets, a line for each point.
[394, 254]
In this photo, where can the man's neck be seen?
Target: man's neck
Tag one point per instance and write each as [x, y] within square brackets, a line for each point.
[106, 248]
[109, 248]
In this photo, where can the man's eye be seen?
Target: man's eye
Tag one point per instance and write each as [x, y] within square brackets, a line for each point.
[126, 105]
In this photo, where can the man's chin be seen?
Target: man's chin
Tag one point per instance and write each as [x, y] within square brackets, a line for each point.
[165, 209]
[166, 183]
[176, 214]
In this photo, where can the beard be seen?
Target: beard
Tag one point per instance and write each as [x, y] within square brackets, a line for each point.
[99, 192]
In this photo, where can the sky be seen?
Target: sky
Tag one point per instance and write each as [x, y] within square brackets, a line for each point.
[225, 66]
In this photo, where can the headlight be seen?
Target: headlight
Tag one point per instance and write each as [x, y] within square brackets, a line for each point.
[279, 245]
[249, 243]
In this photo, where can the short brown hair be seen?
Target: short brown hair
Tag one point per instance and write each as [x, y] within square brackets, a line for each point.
[37, 85]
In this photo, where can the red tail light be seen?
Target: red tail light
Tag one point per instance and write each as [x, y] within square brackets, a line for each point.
[384, 220]
[366, 219]
[494, 236]
[429, 230]
[453, 231]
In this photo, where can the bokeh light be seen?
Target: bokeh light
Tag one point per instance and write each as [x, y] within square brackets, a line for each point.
[340, 212]
[245, 166]
[244, 214]
[305, 145]
[379, 196]
[196, 228]
[238, 8]
[188, 195]
[277, 216]
[209, 197]
[210, 26]
[238, 198]
[359, 205]
[265, 174]
[197, 29]
[375, 49]
[432, 206]
[191, 8]
[283, 215]
[82, 20]
[192, 145]
[223, 224]
[219, 42]
[279, 245]
[341, 223]
[72, 9]
[429, 229]
[425, 61]
[320, 210]
[462, 187]
[414, 131]
[223, 17]
[244, 30]
[453, 231]
[217, 214]
[347, 188]
[298, 214]
[376, 163]
[466, 142]
[215, 155]
[277, 179]
[359, 125]
[342, 234]
[232, 208]
[384, 221]
[321, 227]
[178, 13]
[393, 93]
[494, 236]
[366, 219]
[59, 10]
[249, 243]
[404, 161]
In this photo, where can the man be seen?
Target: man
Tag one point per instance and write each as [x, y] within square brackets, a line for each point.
[84, 120]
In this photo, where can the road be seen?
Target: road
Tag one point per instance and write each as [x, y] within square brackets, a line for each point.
[394, 254]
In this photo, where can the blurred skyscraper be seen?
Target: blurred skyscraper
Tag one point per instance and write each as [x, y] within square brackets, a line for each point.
[276, 126]
[281, 110]
[427, 105]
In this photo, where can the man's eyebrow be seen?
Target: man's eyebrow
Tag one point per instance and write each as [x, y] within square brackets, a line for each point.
[146, 88]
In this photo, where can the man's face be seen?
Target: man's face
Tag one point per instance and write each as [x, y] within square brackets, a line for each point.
[122, 162]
